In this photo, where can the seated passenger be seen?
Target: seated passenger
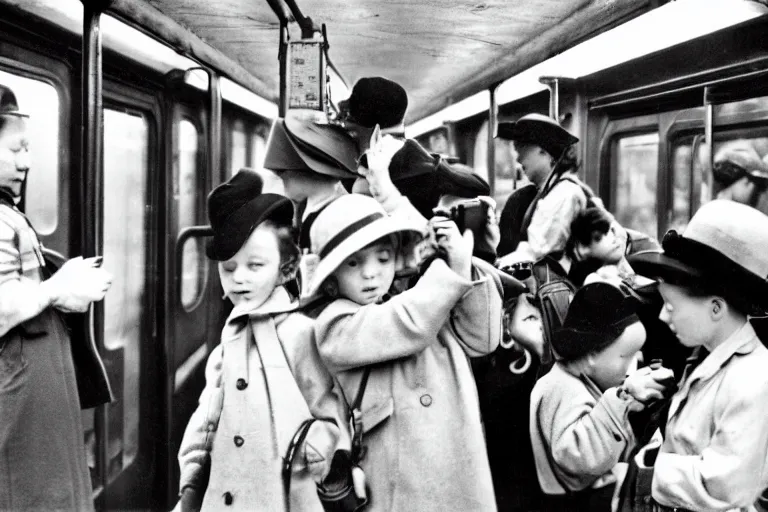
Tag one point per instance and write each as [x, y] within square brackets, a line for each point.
[422, 429]
[265, 377]
[739, 173]
[714, 454]
[579, 422]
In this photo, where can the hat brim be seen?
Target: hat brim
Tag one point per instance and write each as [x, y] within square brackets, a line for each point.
[299, 135]
[656, 264]
[531, 131]
[355, 242]
[226, 242]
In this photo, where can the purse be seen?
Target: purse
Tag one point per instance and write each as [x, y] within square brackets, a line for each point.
[341, 498]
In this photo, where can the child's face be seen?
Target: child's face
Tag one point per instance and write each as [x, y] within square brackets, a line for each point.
[610, 365]
[688, 317]
[367, 275]
[254, 271]
[606, 247]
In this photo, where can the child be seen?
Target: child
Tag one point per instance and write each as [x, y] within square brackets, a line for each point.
[252, 403]
[578, 423]
[715, 450]
[422, 430]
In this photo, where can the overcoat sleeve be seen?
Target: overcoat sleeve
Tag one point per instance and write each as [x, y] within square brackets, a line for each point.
[194, 452]
[477, 317]
[21, 298]
[728, 473]
[589, 438]
[349, 335]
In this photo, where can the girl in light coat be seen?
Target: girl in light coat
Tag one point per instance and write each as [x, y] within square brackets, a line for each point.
[265, 376]
[422, 432]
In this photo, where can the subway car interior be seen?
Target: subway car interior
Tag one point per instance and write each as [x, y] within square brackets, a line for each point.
[139, 108]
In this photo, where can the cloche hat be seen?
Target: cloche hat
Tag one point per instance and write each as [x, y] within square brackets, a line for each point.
[596, 317]
[345, 226]
[736, 160]
[8, 104]
[540, 130]
[377, 100]
[236, 207]
[722, 248]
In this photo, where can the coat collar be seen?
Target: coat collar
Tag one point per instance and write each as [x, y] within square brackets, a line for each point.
[278, 302]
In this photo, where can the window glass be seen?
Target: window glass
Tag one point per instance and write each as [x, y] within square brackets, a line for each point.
[239, 149]
[126, 146]
[41, 101]
[634, 188]
[272, 182]
[194, 268]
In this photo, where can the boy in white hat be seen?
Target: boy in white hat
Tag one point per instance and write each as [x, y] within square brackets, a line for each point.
[713, 277]
[422, 429]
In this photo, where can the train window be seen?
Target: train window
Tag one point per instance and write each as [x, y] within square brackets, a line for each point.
[634, 190]
[258, 150]
[194, 267]
[41, 101]
[508, 172]
[126, 149]
[239, 150]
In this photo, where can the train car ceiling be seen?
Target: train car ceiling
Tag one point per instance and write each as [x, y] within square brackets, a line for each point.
[440, 50]
[661, 28]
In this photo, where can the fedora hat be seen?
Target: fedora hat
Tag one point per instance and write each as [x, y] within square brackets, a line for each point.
[596, 317]
[345, 226]
[310, 147]
[539, 130]
[723, 248]
[236, 207]
[377, 100]
[736, 160]
[8, 104]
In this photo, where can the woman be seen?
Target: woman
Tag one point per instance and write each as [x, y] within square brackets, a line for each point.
[715, 451]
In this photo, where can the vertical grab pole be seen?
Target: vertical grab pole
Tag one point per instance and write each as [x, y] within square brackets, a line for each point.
[493, 114]
[283, 59]
[553, 84]
[709, 139]
[92, 191]
[214, 125]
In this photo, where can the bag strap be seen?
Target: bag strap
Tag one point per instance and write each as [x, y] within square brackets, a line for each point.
[290, 455]
[356, 414]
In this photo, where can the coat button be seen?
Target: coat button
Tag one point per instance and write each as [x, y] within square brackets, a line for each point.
[239, 441]
[241, 384]
[617, 436]
[228, 498]
[426, 400]
[210, 427]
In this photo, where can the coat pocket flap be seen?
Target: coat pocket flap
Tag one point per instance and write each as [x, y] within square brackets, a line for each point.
[377, 412]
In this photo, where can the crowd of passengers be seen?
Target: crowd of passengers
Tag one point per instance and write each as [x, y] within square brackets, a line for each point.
[392, 347]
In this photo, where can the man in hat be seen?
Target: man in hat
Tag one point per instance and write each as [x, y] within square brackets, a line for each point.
[548, 158]
[713, 278]
[739, 173]
[42, 454]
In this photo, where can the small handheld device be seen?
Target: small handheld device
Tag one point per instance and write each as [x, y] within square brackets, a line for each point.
[471, 214]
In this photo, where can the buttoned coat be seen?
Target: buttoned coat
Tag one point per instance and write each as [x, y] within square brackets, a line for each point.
[423, 436]
[261, 382]
[715, 454]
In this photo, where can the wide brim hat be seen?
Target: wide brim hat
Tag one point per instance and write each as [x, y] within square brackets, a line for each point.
[742, 154]
[287, 151]
[538, 130]
[347, 225]
[236, 208]
[598, 314]
[8, 104]
[723, 249]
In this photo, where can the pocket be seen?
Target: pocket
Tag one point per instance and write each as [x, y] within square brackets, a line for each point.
[377, 413]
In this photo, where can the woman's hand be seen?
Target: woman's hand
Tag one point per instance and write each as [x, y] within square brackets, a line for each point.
[457, 247]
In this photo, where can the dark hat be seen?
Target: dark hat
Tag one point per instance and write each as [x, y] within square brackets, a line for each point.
[723, 249]
[423, 177]
[376, 100]
[540, 130]
[596, 317]
[736, 160]
[236, 207]
[8, 104]
[302, 145]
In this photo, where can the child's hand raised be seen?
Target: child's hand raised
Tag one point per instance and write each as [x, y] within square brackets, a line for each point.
[647, 384]
[379, 155]
[458, 247]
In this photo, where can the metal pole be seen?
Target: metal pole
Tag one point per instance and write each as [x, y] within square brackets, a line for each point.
[553, 84]
[493, 113]
[283, 58]
[214, 125]
[92, 191]
[709, 139]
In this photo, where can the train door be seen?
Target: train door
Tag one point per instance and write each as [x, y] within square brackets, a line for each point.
[131, 345]
[194, 304]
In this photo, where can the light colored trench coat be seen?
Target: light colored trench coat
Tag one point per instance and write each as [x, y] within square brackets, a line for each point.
[257, 380]
[425, 444]
[715, 454]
